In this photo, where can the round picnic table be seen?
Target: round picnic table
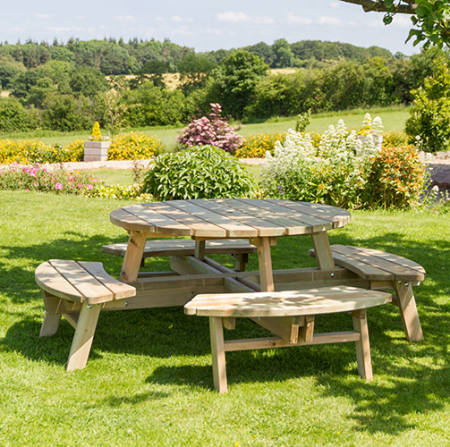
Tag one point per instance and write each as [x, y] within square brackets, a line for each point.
[260, 221]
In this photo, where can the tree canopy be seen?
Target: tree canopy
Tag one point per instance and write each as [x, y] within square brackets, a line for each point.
[431, 17]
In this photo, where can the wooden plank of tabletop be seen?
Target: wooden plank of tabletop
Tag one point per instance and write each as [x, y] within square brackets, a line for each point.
[292, 227]
[311, 223]
[159, 222]
[233, 228]
[337, 216]
[124, 219]
[262, 227]
[198, 226]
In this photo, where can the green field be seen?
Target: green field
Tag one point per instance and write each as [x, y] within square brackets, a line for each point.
[393, 119]
[148, 381]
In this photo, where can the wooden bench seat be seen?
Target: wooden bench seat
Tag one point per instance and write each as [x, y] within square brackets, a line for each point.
[386, 271]
[301, 306]
[67, 284]
[238, 248]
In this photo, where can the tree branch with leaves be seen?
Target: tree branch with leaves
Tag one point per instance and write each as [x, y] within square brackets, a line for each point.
[431, 17]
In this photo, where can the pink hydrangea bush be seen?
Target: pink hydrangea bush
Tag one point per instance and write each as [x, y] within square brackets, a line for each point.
[212, 130]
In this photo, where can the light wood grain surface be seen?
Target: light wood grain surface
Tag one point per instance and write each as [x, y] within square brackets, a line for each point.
[230, 218]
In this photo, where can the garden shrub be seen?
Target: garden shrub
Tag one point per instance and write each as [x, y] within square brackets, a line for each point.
[394, 138]
[122, 192]
[256, 146]
[430, 113]
[32, 151]
[198, 173]
[335, 172]
[37, 178]
[397, 178]
[134, 146]
[213, 131]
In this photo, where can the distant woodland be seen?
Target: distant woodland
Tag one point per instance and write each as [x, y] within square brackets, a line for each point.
[68, 86]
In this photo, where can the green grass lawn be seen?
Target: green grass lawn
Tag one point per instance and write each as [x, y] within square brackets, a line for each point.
[393, 119]
[149, 378]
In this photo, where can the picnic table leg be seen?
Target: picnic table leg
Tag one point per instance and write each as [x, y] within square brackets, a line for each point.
[52, 316]
[133, 257]
[363, 345]
[265, 263]
[218, 354]
[84, 334]
[323, 250]
[200, 250]
[408, 311]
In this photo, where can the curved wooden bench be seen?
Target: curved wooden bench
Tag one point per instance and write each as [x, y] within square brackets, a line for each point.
[302, 306]
[67, 284]
[238, 248]
[386, 271]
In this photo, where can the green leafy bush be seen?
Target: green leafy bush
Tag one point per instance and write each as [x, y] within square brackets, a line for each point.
[198, 173]
[31, 151]
[394, 138]
[134, 146]
[256, 146]
[130, 192]
[397, 178]
[430, 113]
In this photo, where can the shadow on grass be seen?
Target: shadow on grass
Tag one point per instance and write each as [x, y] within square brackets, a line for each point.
[409, 378]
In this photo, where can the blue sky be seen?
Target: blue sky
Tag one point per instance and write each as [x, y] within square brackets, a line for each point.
[203, 25]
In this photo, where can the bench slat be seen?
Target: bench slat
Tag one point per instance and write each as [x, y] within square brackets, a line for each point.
[375, 265]
[184, 247]
[289, 303]
[398, 266]
[118, 289]
[49, 279]
[92, 290]
[405, 262]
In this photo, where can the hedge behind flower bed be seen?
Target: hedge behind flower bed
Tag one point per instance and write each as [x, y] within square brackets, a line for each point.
[130, 146]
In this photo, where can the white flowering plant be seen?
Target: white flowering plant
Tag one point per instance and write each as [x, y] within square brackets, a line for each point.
[335, 172]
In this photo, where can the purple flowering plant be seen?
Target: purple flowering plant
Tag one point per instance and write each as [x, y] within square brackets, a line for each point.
[212, 130]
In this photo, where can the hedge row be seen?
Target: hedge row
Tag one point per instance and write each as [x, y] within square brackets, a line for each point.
[130, 146]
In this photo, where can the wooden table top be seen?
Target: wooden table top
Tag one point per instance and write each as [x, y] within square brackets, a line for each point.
[230, 218]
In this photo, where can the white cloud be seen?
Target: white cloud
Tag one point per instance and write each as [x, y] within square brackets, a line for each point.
[183, 32]
[264, 20]
[126, 18]
[43, 16]
[402, 21]
[326, 20]
[233, 17]
[65, 29]
[215, 31]
[296, 20]
[179, 19]
[376, 23]
[335, 5]
[80, 17]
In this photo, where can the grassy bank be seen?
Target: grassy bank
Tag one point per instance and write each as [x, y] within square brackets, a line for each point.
[149, 379]
[393, 119]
